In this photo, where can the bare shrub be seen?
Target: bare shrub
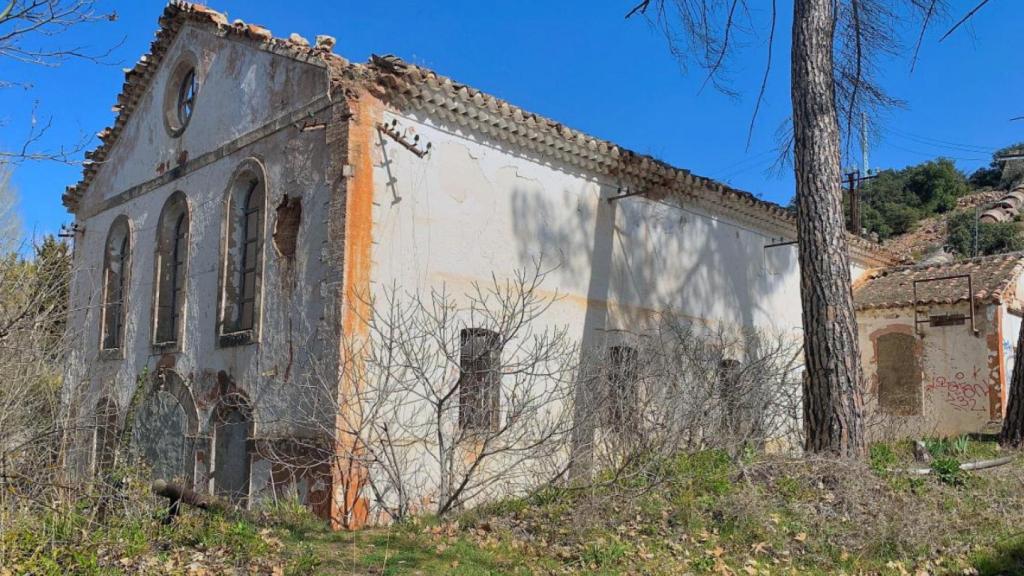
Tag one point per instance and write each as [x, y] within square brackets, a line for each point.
[445, 399]
[33, 309]
[686, 387]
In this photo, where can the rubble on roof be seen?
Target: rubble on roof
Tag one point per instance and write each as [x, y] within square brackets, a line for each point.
[1006, 208]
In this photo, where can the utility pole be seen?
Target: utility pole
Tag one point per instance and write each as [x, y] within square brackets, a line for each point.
[853, 180]
[854, 185]
[864, 143]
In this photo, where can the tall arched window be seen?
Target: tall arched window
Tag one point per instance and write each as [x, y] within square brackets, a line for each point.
[240, 308]
[115, 284]
[171, 266]
[248, 268]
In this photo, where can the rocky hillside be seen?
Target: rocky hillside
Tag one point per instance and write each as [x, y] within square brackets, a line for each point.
[930, 233]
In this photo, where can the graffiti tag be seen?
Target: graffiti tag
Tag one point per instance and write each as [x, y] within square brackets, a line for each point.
[960, 394]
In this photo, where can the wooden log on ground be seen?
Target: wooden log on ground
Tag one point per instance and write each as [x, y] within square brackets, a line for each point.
[979, 465]
[179, 494]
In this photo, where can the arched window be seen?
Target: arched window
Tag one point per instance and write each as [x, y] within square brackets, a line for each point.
[171, 266]
[240, 310]
[166, 424]
[115, 284]
[248, 268]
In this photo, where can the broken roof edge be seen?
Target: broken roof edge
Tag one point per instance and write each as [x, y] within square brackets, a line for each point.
[459, 102]
[996, 294]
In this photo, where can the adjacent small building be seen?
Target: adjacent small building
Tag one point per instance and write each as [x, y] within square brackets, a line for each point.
[937, 344]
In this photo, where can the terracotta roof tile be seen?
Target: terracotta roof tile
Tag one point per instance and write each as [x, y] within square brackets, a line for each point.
[1006, 208]
[992, 278]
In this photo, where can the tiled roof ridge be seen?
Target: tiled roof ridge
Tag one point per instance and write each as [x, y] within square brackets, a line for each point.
[498, 116]
[952, 263]
[535, 132]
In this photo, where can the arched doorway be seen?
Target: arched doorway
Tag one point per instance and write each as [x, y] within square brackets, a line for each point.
[232, 455]
[166, 424]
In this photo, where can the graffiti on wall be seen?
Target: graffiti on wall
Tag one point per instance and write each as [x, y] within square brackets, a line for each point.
[959, 392]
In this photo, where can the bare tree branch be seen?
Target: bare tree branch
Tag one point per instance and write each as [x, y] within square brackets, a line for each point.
[963, 20]
[764, 79]
[920, 37]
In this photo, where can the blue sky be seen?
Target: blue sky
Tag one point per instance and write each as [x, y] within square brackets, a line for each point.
[577, 61]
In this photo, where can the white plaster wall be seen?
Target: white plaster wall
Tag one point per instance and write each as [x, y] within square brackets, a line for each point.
[471, 208]
[1011, 332]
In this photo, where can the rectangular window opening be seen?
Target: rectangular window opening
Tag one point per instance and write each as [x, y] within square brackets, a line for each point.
[479, 380]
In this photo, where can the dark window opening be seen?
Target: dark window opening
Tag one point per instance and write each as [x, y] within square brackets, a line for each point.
[244, 262]
[171, 294]
[231, 457]
[730, 393]
[899, 376]
[249, 263]
[479, 380]
[105, 440]
[947, 320]
[622, 398]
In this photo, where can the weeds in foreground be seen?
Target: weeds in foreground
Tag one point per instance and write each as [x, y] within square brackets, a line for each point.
[698, 513]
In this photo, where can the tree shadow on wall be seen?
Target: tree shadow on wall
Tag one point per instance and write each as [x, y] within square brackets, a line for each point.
[635, 257]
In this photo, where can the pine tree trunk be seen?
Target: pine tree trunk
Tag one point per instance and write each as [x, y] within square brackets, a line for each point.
[833, 405]
[1012, 435]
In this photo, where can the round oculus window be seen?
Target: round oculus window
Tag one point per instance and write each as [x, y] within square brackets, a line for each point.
[186, 97]
[180, 97]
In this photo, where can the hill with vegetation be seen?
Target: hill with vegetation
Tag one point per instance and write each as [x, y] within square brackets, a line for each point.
[925, 207]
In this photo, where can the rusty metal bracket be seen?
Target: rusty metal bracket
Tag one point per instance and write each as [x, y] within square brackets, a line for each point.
[412, 145]
[70, 231]
[970, 297]
[778, 244]
[626, 193]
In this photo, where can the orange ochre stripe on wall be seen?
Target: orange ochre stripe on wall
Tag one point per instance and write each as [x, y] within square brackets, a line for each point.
[351, 510]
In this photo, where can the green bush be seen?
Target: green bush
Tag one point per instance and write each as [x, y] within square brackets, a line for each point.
[882, 458]
[895, 200]
[947, 470]
[969, 238]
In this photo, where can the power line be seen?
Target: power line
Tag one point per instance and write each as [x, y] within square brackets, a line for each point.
[937, 141]
[755, 158]
[933, 155]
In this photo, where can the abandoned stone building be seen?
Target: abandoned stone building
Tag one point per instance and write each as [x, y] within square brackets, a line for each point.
[255, 194]
[937, 343]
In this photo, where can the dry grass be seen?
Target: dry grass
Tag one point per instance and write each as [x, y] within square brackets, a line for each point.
[766, 516]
